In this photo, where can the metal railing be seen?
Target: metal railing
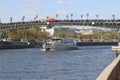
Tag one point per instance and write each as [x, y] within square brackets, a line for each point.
[112, 71]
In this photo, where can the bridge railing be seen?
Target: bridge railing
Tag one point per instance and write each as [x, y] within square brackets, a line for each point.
[112, 71]
[91, 22]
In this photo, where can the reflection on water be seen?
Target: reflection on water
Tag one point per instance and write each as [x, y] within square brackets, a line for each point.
[34, 64]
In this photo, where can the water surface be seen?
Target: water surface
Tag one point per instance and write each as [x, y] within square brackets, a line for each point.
[34, 64]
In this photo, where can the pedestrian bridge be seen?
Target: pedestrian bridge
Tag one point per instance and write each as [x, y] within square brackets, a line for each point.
[115, 24]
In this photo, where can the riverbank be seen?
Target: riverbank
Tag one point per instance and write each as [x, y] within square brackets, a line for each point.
[20, 45]
[96, 43]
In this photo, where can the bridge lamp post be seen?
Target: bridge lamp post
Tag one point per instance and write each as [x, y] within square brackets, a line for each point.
[67, 16]
[57, 16]
[11, 20]
[47, 17]
[87, 15]
[81, 17]
[113, 17]
[35, 18]
[8, 31]
[71, 16]
[0, 21]
[97, 16]
[23, 18]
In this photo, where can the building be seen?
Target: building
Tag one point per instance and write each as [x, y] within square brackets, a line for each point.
[57, 29]
[86, 31]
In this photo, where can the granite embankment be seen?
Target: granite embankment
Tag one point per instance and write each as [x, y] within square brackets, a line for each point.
[96, 43]
[19, 45]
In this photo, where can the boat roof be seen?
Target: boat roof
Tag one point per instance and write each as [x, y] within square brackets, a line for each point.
[56, 39]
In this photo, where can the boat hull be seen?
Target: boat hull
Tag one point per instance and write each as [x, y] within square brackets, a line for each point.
[60, 44]
[60, 47]
[65, 47]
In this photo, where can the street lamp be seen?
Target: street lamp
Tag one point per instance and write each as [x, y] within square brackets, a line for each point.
[87, 15]
[0, 21]
[11, 20]
[67, 16]
[81, 17]
[23, 18]
[57, 16]
[113, 16]
[71, 16]
[35, 18]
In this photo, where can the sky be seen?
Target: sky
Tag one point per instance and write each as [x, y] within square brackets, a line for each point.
[43, 8]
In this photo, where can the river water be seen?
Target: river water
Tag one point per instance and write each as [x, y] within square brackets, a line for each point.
[34, 64]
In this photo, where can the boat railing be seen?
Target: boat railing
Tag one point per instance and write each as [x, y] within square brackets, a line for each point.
[112, 71]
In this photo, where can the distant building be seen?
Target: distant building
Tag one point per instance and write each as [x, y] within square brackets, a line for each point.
[57, 29]
[86, 31]
[51, 19]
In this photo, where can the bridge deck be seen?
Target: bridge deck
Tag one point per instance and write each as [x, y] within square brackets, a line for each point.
[98, 23]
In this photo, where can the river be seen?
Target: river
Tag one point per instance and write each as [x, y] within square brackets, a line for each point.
[34, 64]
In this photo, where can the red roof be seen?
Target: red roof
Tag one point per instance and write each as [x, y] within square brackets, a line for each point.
[51, 19]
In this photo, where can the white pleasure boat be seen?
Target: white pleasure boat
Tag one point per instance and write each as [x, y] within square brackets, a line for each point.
[60, 44]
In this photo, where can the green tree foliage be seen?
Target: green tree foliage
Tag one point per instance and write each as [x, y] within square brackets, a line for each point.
[110, 35]
[37, 33]
[62, 35]
[32, 34]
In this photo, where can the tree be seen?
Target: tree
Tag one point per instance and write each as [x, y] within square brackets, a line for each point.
[62, 35]
[43, 34]
[96, 35]
[110, 35]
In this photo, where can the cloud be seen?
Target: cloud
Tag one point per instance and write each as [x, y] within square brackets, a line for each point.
[65, 2]
[70, 2]
[61, 12]
[60, 1]
[31, 12]
[4, 11]
[26, 3]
